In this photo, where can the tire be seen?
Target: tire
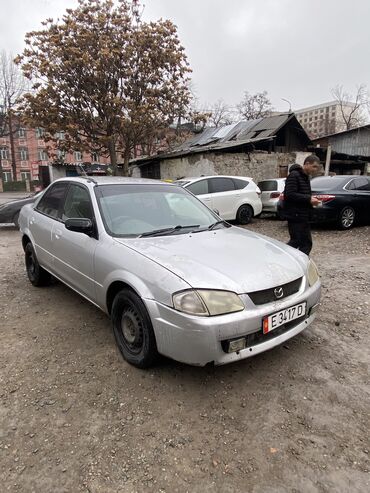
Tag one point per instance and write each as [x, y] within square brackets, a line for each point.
[245, 214]
[16, 220]
[36, 274]
[133, 330]
[346, 218]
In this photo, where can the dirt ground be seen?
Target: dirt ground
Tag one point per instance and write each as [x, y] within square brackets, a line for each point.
[75, 417]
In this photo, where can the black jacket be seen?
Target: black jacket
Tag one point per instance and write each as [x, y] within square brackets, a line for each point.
[297, 194]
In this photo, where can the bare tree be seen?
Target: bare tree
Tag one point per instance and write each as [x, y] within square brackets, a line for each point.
[255, 106]
[12, 86]
[352, 108]
[220, 114]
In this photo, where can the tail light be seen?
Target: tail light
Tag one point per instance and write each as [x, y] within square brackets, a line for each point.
[281, 196]
[258, 191]
[324, 198]
[275, 195]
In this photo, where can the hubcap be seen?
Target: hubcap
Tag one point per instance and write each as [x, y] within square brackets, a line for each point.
[132, 330]
[347, 217]
[245, 214]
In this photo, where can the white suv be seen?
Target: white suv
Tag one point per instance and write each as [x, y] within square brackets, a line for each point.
[234, 197]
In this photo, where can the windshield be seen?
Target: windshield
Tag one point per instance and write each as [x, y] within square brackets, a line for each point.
[135, 210]
[327, 183]
[181, 183]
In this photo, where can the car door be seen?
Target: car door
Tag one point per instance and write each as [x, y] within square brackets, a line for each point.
[42, 220]
[224, 196]
[360, 187]
[200, 188]
[74, 252]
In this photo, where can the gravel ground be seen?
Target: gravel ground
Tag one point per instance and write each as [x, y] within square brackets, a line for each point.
[75, 417]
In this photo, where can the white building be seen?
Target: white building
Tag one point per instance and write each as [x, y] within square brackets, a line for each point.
[325, 119]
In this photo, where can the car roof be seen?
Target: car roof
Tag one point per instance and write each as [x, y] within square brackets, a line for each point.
[113, 180]
[195, 178]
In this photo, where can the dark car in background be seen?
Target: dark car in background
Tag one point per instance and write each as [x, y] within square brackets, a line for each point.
[345, 200]
[9, 212]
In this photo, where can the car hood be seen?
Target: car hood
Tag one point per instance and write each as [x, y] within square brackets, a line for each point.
[233, 259]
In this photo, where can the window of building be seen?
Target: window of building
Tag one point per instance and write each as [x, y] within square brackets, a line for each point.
[21, 133]
[42, 155]
[95, 157]
[60, 135]
[40, 132]
[78, 155]
[23, 153]
[4, 152]
[310, 119]
[61, 155]
[7, 175]
[25, 175]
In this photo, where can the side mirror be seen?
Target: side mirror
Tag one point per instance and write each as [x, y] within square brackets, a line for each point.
[80, 225]
[216, 211]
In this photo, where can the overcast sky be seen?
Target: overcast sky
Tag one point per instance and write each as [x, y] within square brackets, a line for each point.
[294, 49]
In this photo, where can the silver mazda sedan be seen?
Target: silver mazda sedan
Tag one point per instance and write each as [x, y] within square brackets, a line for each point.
[174, 278]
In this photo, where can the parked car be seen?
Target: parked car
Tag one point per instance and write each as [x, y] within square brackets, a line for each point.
[270, 193]
[9, 212]
[345, 200]
[234, 197]
[174, 277]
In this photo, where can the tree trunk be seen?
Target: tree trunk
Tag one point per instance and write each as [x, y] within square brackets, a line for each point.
[12, 150]
[113, 156]
[126, 161]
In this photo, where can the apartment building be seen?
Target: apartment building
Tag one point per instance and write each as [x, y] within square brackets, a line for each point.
[34, 161]
[324, 119]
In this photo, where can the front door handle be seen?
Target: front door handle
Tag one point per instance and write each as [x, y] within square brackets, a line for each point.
[58, 233]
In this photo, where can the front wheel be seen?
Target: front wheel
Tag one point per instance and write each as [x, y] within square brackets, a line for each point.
[244, 214]
[133, 330]
[346, 218]
[36, 274]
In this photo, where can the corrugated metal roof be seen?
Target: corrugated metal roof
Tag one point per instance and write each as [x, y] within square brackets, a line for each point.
[353, 142]
[237, 134]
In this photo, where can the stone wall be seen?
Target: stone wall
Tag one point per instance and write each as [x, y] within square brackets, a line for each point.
[258, 165]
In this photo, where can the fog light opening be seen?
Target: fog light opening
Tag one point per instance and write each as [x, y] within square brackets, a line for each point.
[236, 345]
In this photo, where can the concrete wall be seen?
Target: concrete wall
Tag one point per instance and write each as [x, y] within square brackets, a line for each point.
[258, 165]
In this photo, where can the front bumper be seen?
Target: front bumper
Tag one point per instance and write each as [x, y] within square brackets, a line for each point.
[198, 340]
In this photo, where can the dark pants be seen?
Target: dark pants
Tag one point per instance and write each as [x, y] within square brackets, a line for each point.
[300, 236]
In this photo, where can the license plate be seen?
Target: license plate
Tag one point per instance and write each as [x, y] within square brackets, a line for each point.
[283, 316]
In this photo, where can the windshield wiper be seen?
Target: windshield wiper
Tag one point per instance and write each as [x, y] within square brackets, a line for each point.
[212, 226]
[163, 231]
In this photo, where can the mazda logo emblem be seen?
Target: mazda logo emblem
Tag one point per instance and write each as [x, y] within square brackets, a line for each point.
[279, 293]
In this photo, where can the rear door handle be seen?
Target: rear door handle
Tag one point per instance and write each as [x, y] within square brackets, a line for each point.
[32, 220]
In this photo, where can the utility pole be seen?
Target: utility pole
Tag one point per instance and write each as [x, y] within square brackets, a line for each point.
[327, 162]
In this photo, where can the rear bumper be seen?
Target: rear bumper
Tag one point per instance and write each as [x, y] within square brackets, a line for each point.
[198, 340]
[323, 214]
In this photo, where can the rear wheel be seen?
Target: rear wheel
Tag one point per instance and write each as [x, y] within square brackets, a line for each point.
[244, 214]
[36, 274]
[133, 330]
[346, 218]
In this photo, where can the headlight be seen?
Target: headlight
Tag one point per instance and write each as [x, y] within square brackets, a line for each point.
[312, 273]
[206, 303]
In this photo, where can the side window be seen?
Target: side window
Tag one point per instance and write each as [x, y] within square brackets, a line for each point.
[239, 184]
[199, 187]
[361, 184]
[52, 201]
[77, 203]
[218, 185]
[268, 186]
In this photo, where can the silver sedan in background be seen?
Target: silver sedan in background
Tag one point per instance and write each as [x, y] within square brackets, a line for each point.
[174, 278]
